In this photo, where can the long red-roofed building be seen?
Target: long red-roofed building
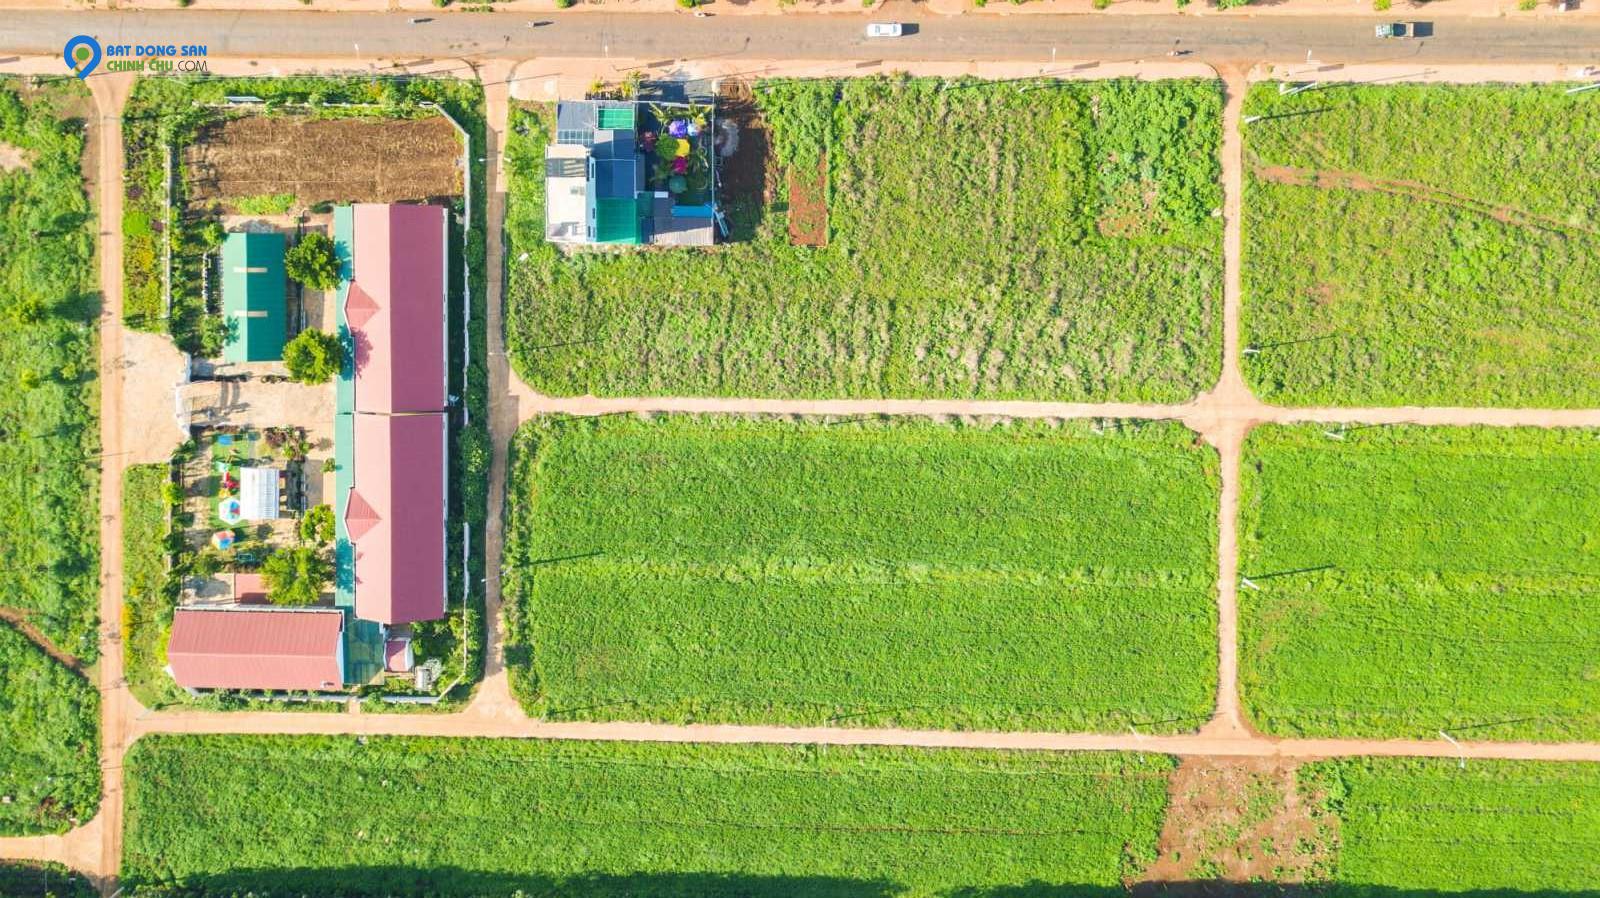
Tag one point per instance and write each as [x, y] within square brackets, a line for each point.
[395, 308]
[395, 517]
[298, 649]
[395, 506]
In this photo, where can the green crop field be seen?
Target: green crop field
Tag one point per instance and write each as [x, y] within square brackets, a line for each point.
[402, 817]
[49, 442]
[1461, 592]
[863, 573]
[1429, 826]
[983, 241]
[1381, 270]
[49, 753]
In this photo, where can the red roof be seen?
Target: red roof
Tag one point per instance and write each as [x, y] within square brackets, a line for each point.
[249, 588]
[228, 648]
[395, 307]
[395, 517]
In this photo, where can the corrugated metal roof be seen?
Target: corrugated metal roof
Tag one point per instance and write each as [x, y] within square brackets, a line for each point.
[253, 297]
[394, 307]
[395, 517]
[231, 648]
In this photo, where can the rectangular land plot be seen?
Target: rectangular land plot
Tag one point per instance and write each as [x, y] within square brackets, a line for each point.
[1431, 827]
[864, 573]
[981, 241]
[1426, 245]
[459, 817]
[1422, 579]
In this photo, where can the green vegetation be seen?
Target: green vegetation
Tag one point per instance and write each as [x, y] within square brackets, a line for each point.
[150, 590]
[49, 440]
[1428, 826]
[1088, 264]
[34, 879]
[447, 817]
[1020, 576]
[265, 204]
[313, 357]
[312, 262]
[1429, 579]
[296, 576]
[1379, 271]
[49, 757]
[317, 525]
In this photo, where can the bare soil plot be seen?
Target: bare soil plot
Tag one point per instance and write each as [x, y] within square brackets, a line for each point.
[808, 205]
[1232, 821]
[317, 160]
[745, 175]
[12, 158]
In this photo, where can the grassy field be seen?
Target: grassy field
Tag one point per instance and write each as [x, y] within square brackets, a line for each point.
[1426, 826]
[49, 757]
[1415, 276]
[48, 435]
[1447, 580]
[312, 815]
[863, 573]
[147, 611]
[982, 242]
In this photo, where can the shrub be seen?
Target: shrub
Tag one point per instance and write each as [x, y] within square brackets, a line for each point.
[317, 525]
[1528, 5]
[563, 4]
[312, 262]
[313, 357]
[688, 4]
[1102, 4]
[296, 576]
[265, 204]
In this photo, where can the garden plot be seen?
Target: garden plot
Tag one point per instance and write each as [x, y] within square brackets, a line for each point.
[408, 817]
[1413, 580]
[981, 241]
[318, 160]
[864, 573]
[1427, 245]
[1435, 826]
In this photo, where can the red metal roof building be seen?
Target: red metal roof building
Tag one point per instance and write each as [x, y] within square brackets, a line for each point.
[280, 648]
[395, 308]
[395, 517]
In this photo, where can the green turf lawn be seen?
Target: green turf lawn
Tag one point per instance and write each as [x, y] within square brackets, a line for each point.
[49, 441]
[984, 242]
[1463, 592]
[863, 573]
[402, 817]
[49, 741]
[1418, 827]
[1469, 279]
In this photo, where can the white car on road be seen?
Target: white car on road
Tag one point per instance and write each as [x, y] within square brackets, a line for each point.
[885, 29]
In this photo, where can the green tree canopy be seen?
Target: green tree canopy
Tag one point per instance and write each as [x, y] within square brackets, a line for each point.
[312, 262]
[313, 357]
[296, 576]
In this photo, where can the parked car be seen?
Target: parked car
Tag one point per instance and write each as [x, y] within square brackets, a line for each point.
[885, 29]
[1405, 30]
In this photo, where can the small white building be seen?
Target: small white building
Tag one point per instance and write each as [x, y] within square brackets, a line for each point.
[259, 493]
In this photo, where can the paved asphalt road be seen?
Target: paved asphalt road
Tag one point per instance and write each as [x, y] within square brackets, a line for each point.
[681, 36]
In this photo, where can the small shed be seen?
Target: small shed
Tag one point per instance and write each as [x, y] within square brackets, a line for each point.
[253, 297]
[258, 493]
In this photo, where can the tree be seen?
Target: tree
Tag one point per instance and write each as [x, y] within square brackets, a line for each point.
[312, 262]
[296, 576]
[313, 357]
[317, 525]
